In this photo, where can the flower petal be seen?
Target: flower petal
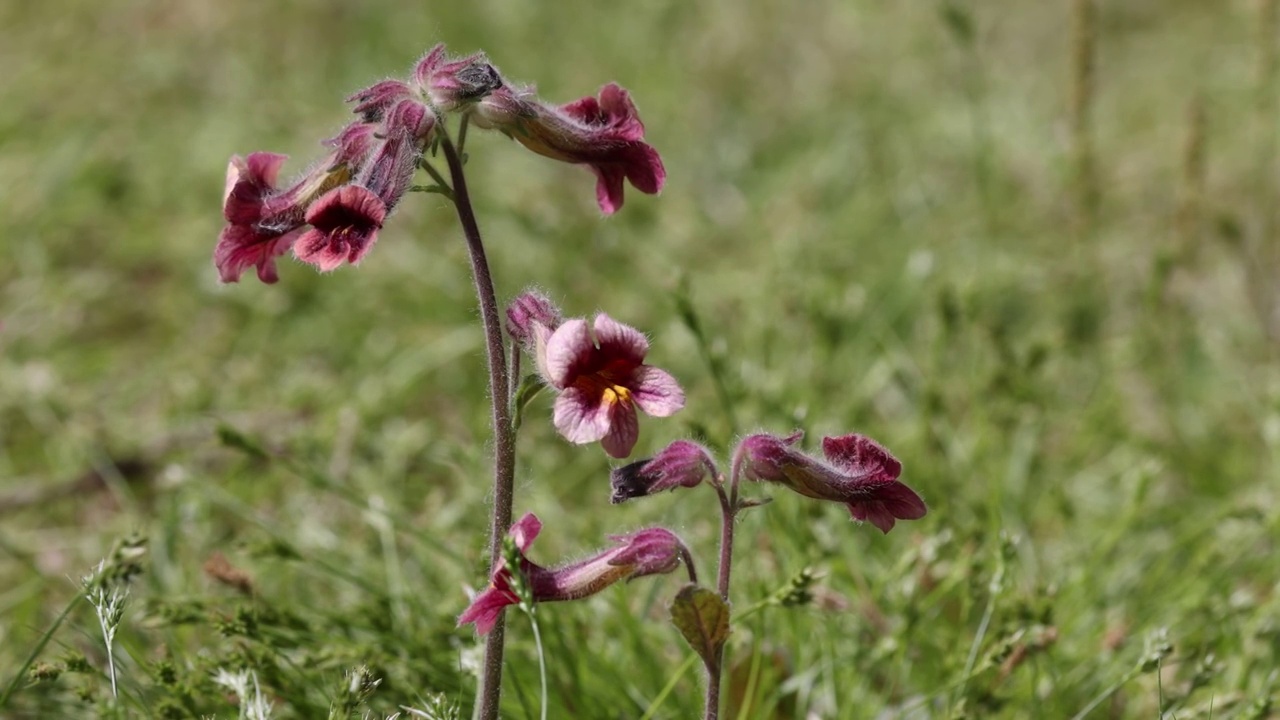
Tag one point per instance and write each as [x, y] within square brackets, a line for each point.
[240, 247]
[656, 391]
[346, 221]
[873, 512]
[525, 531]
[901, 501]
[624, 430]
[609, 188]
[581, 416]
[570, 351]
[862, 457]
[620, 343]
[486, 608]
[249, 181]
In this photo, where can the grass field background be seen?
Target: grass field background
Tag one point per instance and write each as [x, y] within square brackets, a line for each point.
[1031, 251]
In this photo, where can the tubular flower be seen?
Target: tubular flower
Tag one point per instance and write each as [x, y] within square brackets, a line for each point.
[346, 220]
[263, 222]
[603, 133]
[602, 379]
[858, 472]
[683, 463]
[646, 552]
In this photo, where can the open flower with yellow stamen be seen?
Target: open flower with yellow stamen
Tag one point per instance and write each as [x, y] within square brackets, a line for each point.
[600, 372]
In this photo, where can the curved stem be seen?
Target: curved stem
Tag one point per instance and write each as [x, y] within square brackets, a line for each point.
[503, 435]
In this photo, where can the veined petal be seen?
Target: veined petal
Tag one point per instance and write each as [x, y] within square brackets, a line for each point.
[656, 391]
[620, 343]
[241, 246]
[624, 429]
[569, 353]
[345, 224]
[581, 416]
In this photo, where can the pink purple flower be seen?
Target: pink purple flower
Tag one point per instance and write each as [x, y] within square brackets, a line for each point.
[683, 463]
[603, 133]
[453, 83]
[600, 373]
[263, 221]
[646, 552]
[858, 472]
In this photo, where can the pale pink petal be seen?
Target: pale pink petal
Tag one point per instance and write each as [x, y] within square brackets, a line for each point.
[656, 391]
[569, 352]
[624, 430]
[581, 416]
[619, 342]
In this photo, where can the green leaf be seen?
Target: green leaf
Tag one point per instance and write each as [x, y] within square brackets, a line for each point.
[702, 617]
[530, 387]
[237, 440]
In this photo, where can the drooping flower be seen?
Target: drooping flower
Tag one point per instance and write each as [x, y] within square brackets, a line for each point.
[859, 472]
[603, 133]
[683, 463]
[646, 552]
[346, 220]
[602, 379]
[264, 222]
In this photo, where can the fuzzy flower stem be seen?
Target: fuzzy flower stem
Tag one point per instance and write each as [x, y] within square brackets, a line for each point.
[503, 433]
[513, 377]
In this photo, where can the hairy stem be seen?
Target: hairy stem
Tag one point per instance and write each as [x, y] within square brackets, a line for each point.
[504, 461]
[729, 506]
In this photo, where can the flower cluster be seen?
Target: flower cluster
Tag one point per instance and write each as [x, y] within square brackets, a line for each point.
[333, 212]
[598, 370]
[645, 552]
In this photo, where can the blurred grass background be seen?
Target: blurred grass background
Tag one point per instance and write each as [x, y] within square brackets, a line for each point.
[1031, 247]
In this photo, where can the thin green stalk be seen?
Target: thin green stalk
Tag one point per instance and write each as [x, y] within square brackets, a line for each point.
[666, 690]
[35, 652]
[1102, 697]
[542, 665]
